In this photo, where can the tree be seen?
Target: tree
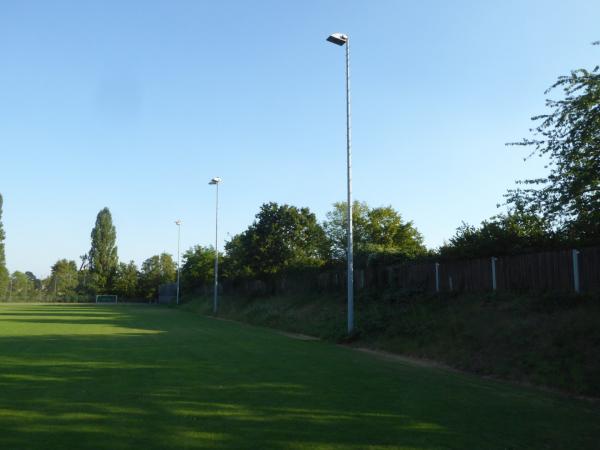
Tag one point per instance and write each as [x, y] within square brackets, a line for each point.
[336, 226]
[126, 280]
[516, 232]
[157, 270]
[4, 278]
[102, 257]
[22, 287]
[86, 285]
[388, 233]
[37, 283]
[237, 260]
[281, 237]
[63, 278]
[198, 267]
[375, 230]
[569, 136]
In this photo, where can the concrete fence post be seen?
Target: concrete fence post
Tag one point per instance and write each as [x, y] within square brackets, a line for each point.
[494, 285]
[450, 283]
[437, 277]
[359, 276]
[576, 286]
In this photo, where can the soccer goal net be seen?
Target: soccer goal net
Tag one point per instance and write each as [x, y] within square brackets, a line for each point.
[106, 298]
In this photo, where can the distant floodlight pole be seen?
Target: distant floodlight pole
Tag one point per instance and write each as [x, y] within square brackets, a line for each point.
[341, 39]
[178, 223]
[216, 181]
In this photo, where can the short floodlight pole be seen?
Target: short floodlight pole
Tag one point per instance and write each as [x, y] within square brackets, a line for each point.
[342, 39]
[178, 223]
[216, 181]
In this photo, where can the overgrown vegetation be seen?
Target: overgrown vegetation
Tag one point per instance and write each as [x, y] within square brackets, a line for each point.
[547, 340]
[563, 208]
[569, 136]
[518, 231]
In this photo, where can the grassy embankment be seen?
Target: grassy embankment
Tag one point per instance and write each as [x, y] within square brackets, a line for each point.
[551, 341]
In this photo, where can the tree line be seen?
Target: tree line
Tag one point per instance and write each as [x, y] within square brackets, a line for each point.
[99, 272]
[282, 237]
[559, 210]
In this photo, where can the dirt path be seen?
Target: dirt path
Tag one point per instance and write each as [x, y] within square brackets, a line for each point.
[405, 359]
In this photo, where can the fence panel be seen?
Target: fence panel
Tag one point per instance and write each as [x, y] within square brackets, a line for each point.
[537, 271]
[589, 269]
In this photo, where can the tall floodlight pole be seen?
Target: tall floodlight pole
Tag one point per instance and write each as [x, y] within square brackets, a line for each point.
[178, 223]
[343, 39]
[216, 181]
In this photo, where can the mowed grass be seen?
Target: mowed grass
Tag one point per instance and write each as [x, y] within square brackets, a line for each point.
[122, 377]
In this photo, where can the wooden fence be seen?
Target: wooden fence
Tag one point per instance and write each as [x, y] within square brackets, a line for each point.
[551, 271]
[559, 271]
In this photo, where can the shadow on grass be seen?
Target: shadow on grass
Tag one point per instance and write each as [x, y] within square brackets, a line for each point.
[188, 382]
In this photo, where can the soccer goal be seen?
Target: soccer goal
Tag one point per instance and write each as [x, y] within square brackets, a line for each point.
[105, 298]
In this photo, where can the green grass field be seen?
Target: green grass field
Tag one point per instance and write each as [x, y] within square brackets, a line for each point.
[117, 377]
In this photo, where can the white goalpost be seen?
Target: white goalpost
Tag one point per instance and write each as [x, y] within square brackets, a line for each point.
[106, 298]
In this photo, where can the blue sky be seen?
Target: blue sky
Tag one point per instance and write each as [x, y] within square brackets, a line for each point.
[136, 105]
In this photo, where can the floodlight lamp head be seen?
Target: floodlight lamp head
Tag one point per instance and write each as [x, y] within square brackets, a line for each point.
[178, 222]
[215, 180]
[338, 38]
